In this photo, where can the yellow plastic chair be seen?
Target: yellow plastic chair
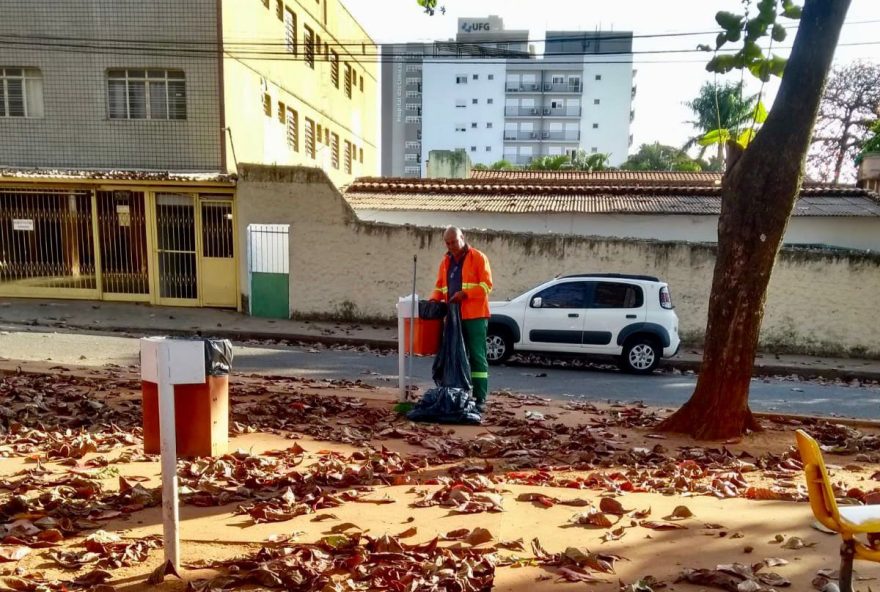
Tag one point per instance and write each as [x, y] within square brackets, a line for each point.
[848, 521]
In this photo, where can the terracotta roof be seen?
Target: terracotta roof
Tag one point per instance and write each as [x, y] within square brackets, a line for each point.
[664, 177]
[115, 175]
[587, 195]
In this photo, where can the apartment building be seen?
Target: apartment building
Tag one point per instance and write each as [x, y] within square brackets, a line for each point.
[121, 120]
[503, 102]
[187, 86]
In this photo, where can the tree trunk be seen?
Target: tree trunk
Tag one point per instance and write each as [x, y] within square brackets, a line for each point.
[759, 191]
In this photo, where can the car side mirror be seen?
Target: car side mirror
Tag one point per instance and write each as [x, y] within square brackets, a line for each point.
[537, 301]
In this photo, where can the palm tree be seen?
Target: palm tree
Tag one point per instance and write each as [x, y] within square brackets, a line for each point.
[550, 163]
[720, 108]
[595, 161]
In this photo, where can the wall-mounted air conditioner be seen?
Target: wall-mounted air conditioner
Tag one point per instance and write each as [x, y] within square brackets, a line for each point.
[545, 135]
[546, 110]
[534, 135]
[534, 111]
[548, 87]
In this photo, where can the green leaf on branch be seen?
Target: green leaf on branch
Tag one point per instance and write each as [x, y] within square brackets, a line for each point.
[729, 21]
[791, 10]
[756, 28]
[777, 65]
[716, 136]
[746, 137]
[720, 40]
[779, 33]
[751, 51]
[761, 70]
[722, 64]
[734, 35]
[760, 113]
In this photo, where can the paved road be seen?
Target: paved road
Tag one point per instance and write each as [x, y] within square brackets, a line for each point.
[660, 390]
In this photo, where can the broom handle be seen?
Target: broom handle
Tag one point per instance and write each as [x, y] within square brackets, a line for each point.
[412, 329]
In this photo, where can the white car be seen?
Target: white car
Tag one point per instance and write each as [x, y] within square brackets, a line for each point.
[630, 317]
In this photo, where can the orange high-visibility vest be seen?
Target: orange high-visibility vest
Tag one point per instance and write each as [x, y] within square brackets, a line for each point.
[476, 283]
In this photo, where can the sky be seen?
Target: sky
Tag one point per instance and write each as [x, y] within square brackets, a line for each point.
[664, 81]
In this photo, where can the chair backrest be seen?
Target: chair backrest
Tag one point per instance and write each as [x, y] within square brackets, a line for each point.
[818, 483]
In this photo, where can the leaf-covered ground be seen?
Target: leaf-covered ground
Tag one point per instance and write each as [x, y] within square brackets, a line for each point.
[326, 488]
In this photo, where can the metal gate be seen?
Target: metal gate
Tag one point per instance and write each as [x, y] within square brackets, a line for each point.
[122, 234]
[217, 265]
[46, 242]
[177, 276]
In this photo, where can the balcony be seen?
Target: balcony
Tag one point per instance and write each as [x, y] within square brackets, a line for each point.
[562, 87]
[542, 112]
[525, 88]
[537, 136]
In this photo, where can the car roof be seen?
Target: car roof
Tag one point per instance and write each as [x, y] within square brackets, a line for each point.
[623, 276]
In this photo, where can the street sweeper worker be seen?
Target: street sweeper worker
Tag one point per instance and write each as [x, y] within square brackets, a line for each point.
[465, 278]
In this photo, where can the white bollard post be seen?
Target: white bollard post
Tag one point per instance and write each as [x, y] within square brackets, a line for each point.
[167, 362]
[168, 451]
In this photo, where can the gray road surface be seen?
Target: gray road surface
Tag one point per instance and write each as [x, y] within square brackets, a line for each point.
[599, 385]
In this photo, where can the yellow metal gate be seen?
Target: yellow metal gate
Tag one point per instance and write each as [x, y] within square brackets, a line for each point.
[46, 243]
[118, 243]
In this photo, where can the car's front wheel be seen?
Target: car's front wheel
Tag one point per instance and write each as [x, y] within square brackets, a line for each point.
[499, 345]
[641, 355]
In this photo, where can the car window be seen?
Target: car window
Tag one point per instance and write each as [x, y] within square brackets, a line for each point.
[616, 295]
[565, 295]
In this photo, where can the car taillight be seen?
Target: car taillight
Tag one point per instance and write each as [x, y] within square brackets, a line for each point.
[665, 298]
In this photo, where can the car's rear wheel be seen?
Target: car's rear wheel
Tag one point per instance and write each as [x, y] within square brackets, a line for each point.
[641, 355]
[499, 345]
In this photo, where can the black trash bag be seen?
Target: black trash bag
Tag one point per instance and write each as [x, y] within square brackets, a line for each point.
[218, 355]
[432, 309]
[451, 401]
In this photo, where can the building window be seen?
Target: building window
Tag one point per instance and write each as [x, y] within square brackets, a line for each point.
[412, 145]
[488, 125]
[473, 148]
[361, 84]
[309, 43]
[414, 68]
[334, 151]
[412, 94]
[488, 149]
[461, 80]
[475, 101]
[594, 150]
[413, 106]
[411, 157]
[476, 77]
[326, 135]
[595, 126]
[348, 149]
[334, 68]
[460, 128]
[279, 9]
[413, 119]
[596, 101]
[147, 94]
[348, 74]
[289, 31]
[21, 92]
[267, 105]
[473, 125]
[460, 104]
[320, 134]
[361, 155]
[557, 79]
[490, 101]
[412, 170]
[281, 111]
[293, 130]
[598, 77]
[310, 138]
[491, 77]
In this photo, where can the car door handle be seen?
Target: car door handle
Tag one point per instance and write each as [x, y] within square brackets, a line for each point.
[630, 316]
[573, 315]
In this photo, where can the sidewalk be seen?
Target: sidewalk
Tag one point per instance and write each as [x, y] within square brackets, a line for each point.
[140, 319]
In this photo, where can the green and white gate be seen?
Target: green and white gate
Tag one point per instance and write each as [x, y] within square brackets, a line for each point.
[269, 270]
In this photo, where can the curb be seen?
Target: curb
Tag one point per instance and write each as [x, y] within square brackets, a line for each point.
[763, 370]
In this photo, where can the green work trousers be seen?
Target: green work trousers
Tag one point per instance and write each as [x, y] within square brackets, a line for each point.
[475, 342]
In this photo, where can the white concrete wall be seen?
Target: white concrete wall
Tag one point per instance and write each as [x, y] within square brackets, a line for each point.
[850, 233]
[817, 302]
[614, 92]
[440, 116]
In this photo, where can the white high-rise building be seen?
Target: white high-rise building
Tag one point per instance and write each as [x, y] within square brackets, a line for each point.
[488, 94]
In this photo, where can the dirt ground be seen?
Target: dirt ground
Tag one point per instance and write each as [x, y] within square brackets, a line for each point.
[70, 448]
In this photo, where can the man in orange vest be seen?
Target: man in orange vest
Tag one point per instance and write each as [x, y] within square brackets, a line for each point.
[465, 278]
